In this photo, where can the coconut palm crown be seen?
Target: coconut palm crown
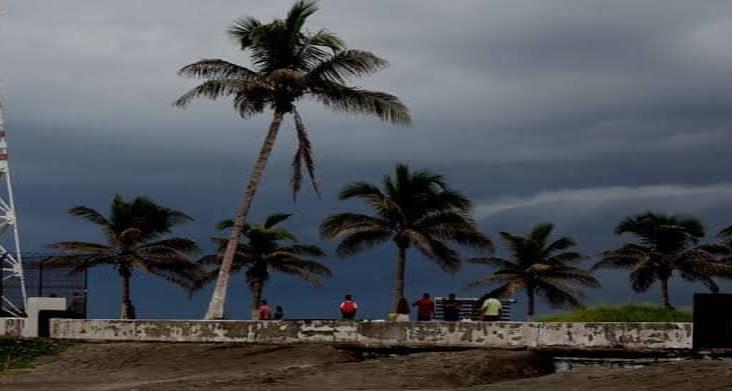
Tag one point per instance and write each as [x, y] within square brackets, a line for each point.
[290, 64]
[412, 209]
[538, 266]
[666, 244]
[268, 247]
[135, 238]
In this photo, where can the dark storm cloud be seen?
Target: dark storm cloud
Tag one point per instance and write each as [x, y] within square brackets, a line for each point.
[577, 112]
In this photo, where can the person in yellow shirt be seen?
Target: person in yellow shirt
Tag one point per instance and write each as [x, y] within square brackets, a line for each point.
[491, 310]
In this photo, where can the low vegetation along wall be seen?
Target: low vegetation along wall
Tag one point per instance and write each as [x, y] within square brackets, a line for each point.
[633, 336]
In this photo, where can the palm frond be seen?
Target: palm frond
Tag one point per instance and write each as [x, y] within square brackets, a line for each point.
[445, 257]
[341, 98]
[725, 233]
[498, 277]
[304, 154]
[496, 262]
[250, 97]
[342, 223]
[560, 244]
[305, 249]
[275, 219]
[91, 215]
[569, 256]
[81, 247]
[559, 293]
[245, 30]
[214, 68]
[362, 240]
[183, 245]
[346, 64]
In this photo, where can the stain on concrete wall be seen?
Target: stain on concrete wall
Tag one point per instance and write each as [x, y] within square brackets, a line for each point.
[11, 327]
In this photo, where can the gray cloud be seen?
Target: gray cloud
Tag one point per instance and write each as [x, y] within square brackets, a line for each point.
[576, 200]
[572, 111]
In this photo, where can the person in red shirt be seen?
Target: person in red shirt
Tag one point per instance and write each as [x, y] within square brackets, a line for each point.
[425, 308]
[265, 313]
[348, 308]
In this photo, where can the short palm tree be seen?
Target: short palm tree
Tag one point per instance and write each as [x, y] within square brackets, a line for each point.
[134, 232]
[414, 209]
[539, 267]
[666, 244]
[268, 247]
[723, 247]
[290, 64]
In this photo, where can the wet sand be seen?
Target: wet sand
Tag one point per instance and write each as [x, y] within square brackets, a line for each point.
[160, 366]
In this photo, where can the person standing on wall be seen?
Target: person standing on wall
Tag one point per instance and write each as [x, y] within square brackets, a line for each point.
[451, 308]
[279, 312]
[348, 308]
[265, 313]
[425, 308]
[402, 311]
[491, 310]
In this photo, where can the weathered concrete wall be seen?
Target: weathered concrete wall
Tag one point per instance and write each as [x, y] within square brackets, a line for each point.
[11, 327]
[634, 336]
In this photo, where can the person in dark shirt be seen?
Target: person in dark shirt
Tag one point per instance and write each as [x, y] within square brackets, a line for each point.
[452, 308]
[402, 311]
[279, 313]
[425, 308]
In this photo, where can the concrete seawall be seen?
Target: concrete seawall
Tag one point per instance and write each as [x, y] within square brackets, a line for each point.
[628, 336]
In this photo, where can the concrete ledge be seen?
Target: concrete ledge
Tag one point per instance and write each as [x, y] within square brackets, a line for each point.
[510, 335]
[629, 336]
[11, 327]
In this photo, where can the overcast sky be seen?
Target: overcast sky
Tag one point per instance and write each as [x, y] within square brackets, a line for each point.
[571, 111]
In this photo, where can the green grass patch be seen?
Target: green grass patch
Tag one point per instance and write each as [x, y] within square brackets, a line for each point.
[20, 353]
[624, 313]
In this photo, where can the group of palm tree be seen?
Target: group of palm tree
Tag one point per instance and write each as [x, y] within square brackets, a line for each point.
[411, 209]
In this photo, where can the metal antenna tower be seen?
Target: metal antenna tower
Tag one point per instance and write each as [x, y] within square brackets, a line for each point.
[12, 286]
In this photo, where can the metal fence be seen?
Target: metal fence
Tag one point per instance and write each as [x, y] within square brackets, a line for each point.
[43, 281]
[470, 308]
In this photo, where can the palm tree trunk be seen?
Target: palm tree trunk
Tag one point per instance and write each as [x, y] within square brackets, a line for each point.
[216, 305]
[126, 312]
[664, 293]
[530, 304]
[256, 287]
[400, 271]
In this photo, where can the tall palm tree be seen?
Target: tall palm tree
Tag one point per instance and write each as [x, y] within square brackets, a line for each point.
[414, 209]
[290, 64]
[134, 239]
[665, 244]
[266, 247]
[539, 267]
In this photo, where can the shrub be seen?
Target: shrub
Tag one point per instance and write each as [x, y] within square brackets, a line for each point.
[624, 313]
[19, 352]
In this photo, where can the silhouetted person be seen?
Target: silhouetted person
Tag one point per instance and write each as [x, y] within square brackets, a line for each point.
[265, 313]
[425, 308]
[76, 305]
[348, 307]
[451, 308]
[279, 313]
[402, 311]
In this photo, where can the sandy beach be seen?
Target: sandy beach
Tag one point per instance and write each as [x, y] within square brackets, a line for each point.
[159, 366]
